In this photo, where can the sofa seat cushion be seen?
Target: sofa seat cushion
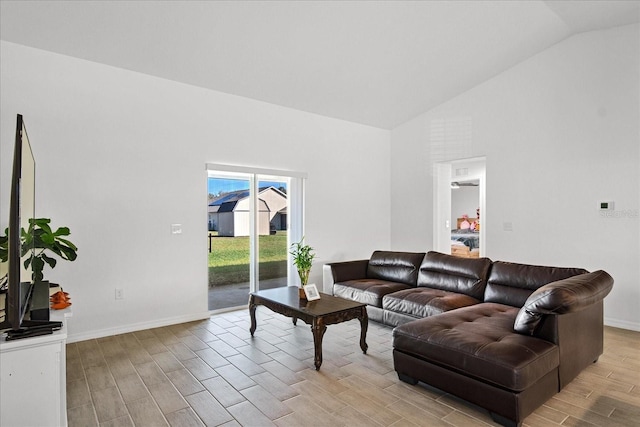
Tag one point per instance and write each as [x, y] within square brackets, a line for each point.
[424, 302]
[367, 291]
[479, 341]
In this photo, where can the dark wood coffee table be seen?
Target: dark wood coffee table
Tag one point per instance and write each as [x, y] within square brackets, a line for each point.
[328, 310]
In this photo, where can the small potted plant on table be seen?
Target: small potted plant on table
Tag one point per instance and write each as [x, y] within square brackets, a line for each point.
[303, 260]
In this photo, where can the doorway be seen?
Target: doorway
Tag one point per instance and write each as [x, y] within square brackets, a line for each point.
[460, 207]
[253, 216]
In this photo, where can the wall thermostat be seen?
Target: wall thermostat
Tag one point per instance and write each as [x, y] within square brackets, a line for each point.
[606, 206]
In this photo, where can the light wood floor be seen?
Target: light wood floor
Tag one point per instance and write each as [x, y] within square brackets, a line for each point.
[213, 373]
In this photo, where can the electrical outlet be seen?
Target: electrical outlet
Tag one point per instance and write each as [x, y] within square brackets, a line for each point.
[119, 293]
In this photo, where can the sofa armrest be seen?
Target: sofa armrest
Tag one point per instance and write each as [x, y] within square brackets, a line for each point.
[342, 271]
[561, 297]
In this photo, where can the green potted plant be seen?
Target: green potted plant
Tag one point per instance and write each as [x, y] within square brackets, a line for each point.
[43, 243]
[303, 260]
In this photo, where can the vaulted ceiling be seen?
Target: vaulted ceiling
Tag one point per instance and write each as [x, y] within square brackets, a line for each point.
[376, 63]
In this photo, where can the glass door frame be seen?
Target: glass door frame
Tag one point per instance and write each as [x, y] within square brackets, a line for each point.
[295, 217]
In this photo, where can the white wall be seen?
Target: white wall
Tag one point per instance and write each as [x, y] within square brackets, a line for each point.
[560, 132]
[121, 156]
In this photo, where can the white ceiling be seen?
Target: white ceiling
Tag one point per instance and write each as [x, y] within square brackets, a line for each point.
[376, 63]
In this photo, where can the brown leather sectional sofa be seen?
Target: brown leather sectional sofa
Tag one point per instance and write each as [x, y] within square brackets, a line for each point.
[504, 336]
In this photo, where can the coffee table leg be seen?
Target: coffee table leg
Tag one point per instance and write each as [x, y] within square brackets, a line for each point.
[318, 328]
[252, 314]
[364, 325]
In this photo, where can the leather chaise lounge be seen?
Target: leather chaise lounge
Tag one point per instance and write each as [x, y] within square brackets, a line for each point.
[503, 336]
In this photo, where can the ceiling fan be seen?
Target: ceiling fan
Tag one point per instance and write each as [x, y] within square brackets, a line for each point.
[458, 184]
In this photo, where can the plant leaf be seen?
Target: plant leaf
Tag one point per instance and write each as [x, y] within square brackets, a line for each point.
[62, 231]
[51, 261]
[65, 242]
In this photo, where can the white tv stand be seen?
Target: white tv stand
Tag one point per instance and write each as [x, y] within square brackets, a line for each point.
[33, 385]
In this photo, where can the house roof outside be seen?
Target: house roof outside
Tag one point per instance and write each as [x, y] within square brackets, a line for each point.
[232, 196]
[227, 206]
[235, 196]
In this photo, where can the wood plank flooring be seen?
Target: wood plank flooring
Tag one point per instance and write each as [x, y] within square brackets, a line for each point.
[211, 373]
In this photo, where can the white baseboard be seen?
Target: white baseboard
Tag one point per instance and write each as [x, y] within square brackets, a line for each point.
[622, 324]
[71, 338]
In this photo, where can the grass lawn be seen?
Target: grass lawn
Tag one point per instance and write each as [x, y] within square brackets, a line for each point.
[229, 259]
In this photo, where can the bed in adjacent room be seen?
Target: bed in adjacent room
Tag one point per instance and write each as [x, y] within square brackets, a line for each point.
[465, 239]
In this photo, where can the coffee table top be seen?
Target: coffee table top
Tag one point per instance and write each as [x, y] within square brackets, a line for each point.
[288, 296]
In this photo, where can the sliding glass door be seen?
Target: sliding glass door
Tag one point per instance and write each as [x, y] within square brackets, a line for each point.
[253, 217]
[229, 243]
[273, 244]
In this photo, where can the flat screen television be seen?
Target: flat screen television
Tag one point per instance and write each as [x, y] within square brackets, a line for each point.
[21, 209]
[21, 283]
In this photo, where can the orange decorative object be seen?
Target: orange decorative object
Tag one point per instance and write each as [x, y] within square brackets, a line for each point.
[60, 300]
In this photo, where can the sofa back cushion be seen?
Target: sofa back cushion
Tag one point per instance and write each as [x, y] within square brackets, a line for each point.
[563, 296]
[454, 274]
[401, 267]
[511, 283]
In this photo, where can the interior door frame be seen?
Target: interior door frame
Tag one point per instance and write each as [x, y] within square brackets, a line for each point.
[443, 176]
